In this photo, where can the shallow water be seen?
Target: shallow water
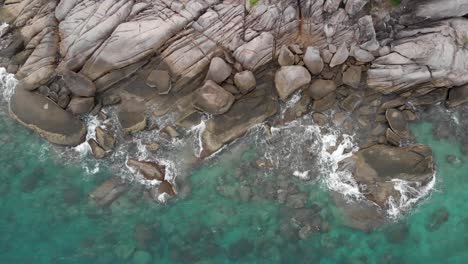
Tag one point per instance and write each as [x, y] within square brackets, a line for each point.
[229, 216]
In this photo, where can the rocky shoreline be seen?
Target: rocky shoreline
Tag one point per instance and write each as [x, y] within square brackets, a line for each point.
[365, 67]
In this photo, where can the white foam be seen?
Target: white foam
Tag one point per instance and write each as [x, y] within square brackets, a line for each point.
[3, 27]
[7, 84]
[408, 195]
[303, 175]
[91, 123]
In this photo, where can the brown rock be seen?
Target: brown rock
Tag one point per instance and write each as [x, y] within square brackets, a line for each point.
[78, 84]
[212, 98]
[98, 152]
[150, 170]
[81, 105]
[105, 139]
[352, 76]
[161, 80]
[325, 103]
[321, 88]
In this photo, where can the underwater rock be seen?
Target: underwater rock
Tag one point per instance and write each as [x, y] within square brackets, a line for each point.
[108, 191]
[437, 219]
[321, 88]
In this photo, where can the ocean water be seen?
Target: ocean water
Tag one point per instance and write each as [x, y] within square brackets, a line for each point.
[231, 213]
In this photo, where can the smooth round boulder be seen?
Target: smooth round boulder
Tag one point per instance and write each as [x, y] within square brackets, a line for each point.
[78, 84]
[212, 98]
[285, 57]
[47, 119]
[245, 81]
[219, 70]
[313, 60]
[321, 88]
[288, 79]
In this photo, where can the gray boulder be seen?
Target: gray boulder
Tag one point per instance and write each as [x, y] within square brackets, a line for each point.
[245, 81]
[212, 98]
[81, 105]
[219, 70]
[340, 56]
[47, 119]
[290, 78]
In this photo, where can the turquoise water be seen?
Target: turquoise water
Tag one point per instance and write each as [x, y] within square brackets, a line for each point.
[47, 217]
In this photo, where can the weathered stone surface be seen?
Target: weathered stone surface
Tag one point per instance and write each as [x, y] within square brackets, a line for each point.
[257, 52]
[245, 81]
[161, 80]
[376, 166]
[212, 98]
[430, 10]
[362, 55]
[47, 119]
[352, 76]
[78, 84]
[132, 122]
[340, 56]
[219, 70]
[397, 122]
[150, 170]
[285, 57]
[321, 88]
[80, 105]
[290, 78]
[313, 60]
[354, 6]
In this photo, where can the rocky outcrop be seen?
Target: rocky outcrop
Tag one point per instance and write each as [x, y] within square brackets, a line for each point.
[46, 118]
[379, 168]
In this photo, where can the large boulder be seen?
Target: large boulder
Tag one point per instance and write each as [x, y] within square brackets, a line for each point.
[290, 78]
[458, 96]
[219, 70]
[47, 119]
[81, 105]
[245, 81]
[212, 98]
[380, 168]
[109, 191]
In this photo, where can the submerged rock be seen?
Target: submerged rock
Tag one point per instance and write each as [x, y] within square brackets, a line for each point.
[437, 219]
[108, 191]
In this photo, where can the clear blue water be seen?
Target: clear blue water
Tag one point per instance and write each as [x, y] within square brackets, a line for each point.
[47, 217]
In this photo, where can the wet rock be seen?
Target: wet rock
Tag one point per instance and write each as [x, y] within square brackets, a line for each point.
[325, 103]
[153, 147]
[285, 57]
[132, 122]
[351, 102]
[98, 151]
[167, 188]
[212, 98]
[458, 96]
[437, 219]
[44, 90]
[78, 84]
[47, 119]
[410, 115]
[392, 137]
[150, 170]
[171, 131]
[376, 166]
[340, 56]
[108, 191]
[313, 60]
[397, 122]
[219, 70]
[105, 139]
[320, 119]
[290, 78]
[245, 81]
[352, 76]
[189, 120]
[451, 159]
[111, 99]
[81, 105]
[321, 88]
[305, 232]
[161, 80]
